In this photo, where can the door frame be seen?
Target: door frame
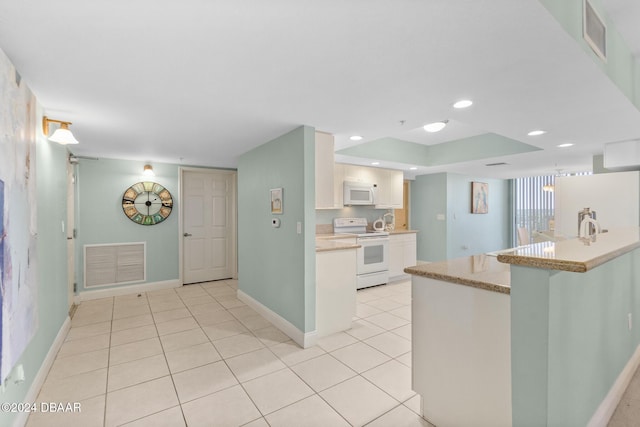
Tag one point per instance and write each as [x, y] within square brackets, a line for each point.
[233, 256]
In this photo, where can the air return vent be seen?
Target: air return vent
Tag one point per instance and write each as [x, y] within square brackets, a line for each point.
[114, 264]
[594, 31]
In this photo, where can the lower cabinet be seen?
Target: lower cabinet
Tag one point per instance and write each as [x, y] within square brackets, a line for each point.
[335, 291]
[402, 254]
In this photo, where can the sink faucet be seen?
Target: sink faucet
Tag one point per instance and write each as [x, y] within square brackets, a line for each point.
[586, 230]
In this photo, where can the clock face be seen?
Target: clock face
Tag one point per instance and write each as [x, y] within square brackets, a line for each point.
[147, 203]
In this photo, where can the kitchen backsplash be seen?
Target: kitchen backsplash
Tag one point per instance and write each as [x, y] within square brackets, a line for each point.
[324, 217]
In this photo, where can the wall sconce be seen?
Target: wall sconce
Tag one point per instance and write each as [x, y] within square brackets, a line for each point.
[62, 135]
[148, 171]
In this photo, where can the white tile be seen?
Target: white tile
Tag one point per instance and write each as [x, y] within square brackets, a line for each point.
[335, 341]
[414, 404]
[255, 322]
[203, 380]
[360, 357]
[135, 350]
[392, 377]
[310, 412]
[78, 364]
[134, 334]
[177, 325]
[131, 322]
[384, 304]
[404, 299]
[87, 318]
[192, 357]
[365, 296]
[165, 316]
[220, 291]
[390, 344]
[84, 345]
[213, 317]
[361, 329]
[242, 312]
[403, 331]
[403, 312]
[276, 390]
[183, 339]
[130, 311]
[364, 310]
[166, 305]
[387, 321]
[88, 331]
[323, 372]
[254, 364]
[131, 403]
[190, 291]
[74, 388]
[400, 416]
[260, 422]
[199, 300]
[291, 353]
[270, 336]
[224, 330]
[405, 359]
[91, 414]
[208, 307]
[137, 371]
[358, 400]
[171, 417]
[237, 344]
[230, 407]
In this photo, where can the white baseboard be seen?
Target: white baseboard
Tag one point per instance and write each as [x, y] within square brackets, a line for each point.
[304, 340]
[608, 406]
[36, 385]
[126, 290]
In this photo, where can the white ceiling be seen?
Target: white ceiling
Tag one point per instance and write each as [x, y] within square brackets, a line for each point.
[200, 82]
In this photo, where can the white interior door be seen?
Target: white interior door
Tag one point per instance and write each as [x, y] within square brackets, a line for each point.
[71, 277]
[208, 225]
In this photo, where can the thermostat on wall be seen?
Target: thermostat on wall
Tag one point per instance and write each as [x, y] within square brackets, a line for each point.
[275, 222]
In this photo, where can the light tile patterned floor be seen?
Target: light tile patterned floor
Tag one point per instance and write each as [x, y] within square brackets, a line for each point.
[198, 356]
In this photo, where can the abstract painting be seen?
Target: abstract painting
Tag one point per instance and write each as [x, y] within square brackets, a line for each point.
[479, 197]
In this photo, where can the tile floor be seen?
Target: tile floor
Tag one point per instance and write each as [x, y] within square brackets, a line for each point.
[198, 356]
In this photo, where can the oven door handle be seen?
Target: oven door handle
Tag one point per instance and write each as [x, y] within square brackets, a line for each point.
[362, 240]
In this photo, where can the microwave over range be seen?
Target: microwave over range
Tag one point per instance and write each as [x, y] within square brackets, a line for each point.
[359, 193]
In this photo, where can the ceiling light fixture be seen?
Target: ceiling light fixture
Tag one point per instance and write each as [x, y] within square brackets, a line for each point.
[463, 103]
[148, 171]
[413, 168]
[537, 132]
[355, 138]
[375, 163]
[62, 135]
[436, 126]
[565, 145]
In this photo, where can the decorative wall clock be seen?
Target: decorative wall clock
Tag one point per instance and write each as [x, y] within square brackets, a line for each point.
[147, 203]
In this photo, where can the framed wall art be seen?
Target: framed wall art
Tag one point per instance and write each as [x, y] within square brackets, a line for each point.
[479, 197]
[276, 201]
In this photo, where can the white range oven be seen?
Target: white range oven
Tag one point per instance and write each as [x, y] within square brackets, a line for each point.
[373, 253]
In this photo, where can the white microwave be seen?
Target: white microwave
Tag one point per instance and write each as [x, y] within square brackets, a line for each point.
[359, 193]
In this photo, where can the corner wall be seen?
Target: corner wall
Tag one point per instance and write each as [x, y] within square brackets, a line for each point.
[276, 266]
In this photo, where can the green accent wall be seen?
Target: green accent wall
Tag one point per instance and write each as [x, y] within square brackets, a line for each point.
[276, 266]
[570, 339]
[100, 185]
[450, 195]
[466, 149]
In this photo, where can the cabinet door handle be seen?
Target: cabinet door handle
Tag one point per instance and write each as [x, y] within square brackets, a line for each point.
[187, 234]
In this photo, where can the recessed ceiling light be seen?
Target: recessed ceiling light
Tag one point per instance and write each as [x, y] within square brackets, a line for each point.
[464, 103]
[355, 138]
[413, 168]
[436, 126]
[375, 163]
[565, 145]
[537, 132]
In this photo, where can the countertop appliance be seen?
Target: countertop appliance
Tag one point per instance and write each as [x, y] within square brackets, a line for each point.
[358, 193]
[373, 253]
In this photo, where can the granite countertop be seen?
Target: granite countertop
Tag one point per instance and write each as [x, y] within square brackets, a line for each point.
[334, 236]
[478, 271]
[576, 255]
[325, 245]
[402, 232]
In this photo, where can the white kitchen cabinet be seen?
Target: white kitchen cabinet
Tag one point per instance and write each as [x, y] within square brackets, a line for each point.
[324, 171]
[338, 188]
[402, 254]
[389, 193]
[335, 290]
[360, 174]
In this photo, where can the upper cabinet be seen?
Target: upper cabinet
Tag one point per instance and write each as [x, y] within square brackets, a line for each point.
[324, 171]
[389, 189]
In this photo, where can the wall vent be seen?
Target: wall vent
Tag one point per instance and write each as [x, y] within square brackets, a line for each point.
[594, 31]
[114, 264]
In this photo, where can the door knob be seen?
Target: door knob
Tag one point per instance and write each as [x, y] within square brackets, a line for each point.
[187, 234]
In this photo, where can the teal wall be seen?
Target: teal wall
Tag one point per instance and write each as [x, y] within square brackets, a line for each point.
[450, 194]
[100, 185]
[570, 339]
[51, 160]
[276, 266]
[621, 66]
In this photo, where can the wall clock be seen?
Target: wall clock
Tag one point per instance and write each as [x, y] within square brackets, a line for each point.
[147, 203]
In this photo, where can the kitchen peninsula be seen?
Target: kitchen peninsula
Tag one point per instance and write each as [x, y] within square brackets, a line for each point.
[538, 335]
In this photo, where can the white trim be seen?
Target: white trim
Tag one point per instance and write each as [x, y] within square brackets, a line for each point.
[38, 381]
[304, 340]
[608, 406]
[126, 290]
